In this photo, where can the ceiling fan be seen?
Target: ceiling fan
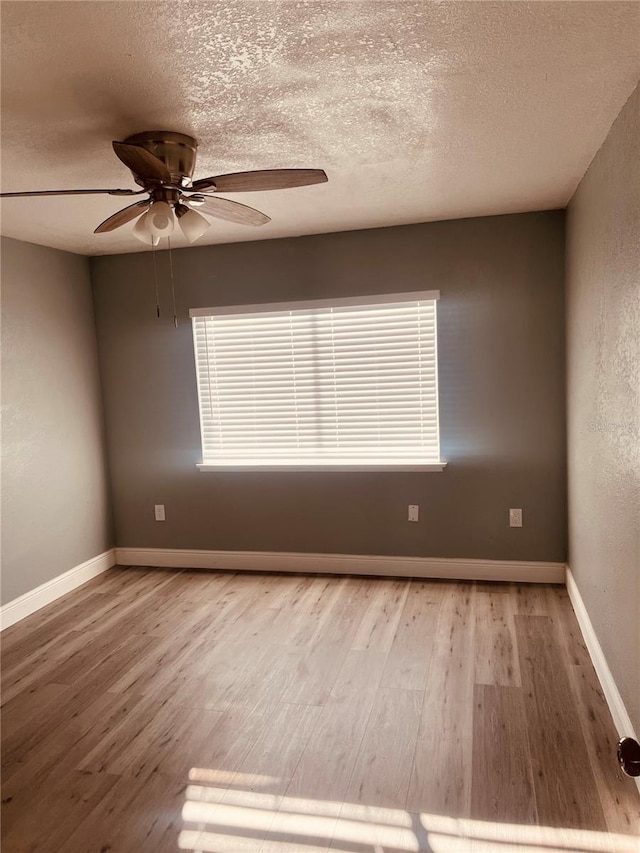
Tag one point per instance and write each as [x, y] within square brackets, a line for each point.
[162, 163]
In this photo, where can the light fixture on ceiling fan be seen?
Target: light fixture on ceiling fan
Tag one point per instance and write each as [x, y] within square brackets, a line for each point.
[162, 163]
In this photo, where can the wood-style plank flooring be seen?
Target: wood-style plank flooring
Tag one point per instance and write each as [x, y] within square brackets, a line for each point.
[156, 710]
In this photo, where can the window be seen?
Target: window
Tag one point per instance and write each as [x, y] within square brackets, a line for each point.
[329, 384]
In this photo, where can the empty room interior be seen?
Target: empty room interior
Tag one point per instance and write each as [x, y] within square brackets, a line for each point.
[320, 426]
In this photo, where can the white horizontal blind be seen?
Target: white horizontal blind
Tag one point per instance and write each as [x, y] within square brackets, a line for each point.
[350, 382]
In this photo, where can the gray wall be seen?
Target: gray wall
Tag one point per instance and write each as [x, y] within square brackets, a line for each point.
[603, 352]
[501, 348]
[54, 487]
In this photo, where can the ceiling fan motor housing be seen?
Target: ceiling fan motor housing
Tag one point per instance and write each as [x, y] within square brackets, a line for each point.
[176, 150]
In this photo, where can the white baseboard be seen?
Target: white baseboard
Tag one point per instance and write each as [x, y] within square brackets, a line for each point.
[619, 713]
[33, 600]
[344, 564]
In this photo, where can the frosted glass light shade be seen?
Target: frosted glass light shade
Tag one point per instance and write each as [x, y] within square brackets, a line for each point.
[159, 219]
[193, 224]
[141, 231]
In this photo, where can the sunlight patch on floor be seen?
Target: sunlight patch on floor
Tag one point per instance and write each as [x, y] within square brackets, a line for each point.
[231, 820]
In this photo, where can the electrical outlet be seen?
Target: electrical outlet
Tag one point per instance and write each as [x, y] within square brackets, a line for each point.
[414, 509]
[159, 512]
[515, 518]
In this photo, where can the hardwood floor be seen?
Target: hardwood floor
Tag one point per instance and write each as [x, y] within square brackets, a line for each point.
[156, 710]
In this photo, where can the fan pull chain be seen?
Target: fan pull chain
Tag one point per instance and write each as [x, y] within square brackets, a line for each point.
[155, 275]
[173, 287]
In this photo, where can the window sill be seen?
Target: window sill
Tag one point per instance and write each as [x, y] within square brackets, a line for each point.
[391, 467]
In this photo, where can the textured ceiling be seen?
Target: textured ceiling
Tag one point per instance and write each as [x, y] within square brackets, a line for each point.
[416, 110]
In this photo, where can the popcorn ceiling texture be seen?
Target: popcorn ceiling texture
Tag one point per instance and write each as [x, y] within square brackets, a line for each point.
[417, 110]
[603, 348]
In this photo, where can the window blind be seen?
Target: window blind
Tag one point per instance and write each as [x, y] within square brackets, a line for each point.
[325, 383]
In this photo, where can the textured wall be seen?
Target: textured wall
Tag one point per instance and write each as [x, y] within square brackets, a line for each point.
[54, 487]
[603, 352]
[501, 346]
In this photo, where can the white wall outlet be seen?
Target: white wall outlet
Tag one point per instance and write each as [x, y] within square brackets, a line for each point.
[414, 510]
[159, 512]
[515, 518]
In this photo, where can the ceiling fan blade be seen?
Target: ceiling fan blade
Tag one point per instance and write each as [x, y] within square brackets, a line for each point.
[224, 208]
[142, 163]
[72, 192]
[122, 216]
[266, 179]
